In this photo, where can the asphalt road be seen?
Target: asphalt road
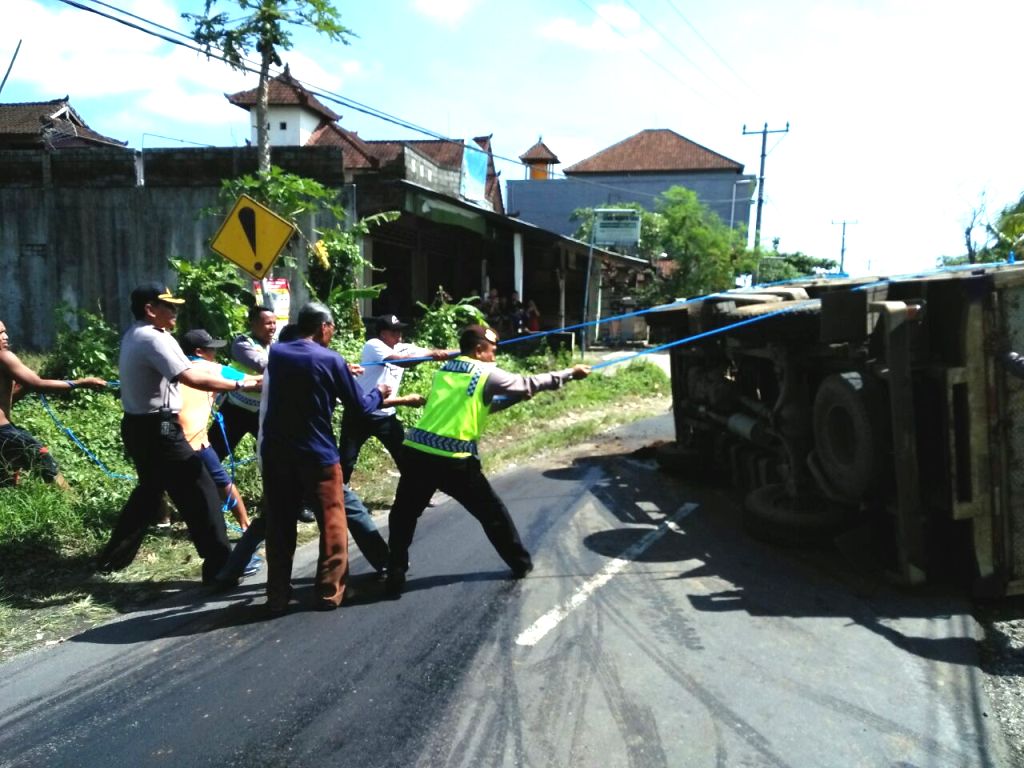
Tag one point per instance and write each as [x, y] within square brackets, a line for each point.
[652, 633]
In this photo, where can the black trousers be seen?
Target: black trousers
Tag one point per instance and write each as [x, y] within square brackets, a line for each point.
[19, 450]
[463, 480]
[357, 428]
[238, 422]
[165, 462]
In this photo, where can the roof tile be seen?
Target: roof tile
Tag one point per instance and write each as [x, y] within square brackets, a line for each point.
[539, 152]
[283, 90]
[653, 150]
[53, 122]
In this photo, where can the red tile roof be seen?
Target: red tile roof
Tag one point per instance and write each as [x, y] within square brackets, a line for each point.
[283, 90]
[54, 123]
[652, 150]
[539, 152]
[357, 153]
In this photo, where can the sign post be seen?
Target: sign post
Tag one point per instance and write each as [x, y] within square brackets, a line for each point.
[611, 227]
[252, 237]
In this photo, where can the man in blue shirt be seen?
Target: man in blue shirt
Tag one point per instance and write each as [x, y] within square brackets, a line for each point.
[300, 454]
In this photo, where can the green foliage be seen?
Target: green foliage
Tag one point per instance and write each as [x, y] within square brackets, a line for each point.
[335, 258]
[1007, 234]
[775, 267]
[650, 229]
[86, 345]
[215, 297]
[707, 253]
[263, 27]
[442, 321]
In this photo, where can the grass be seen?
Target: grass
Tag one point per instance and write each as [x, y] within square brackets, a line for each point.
[48, 590]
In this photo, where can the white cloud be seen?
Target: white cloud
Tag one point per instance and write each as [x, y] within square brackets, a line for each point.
[445, 11]
[617, 28]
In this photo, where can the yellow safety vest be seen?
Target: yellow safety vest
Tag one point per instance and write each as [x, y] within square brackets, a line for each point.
[455, 413]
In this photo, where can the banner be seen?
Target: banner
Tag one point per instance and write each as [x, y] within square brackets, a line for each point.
[474, 173]
[278, 298]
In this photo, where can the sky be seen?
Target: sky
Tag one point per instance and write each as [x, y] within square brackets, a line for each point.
[903, 118]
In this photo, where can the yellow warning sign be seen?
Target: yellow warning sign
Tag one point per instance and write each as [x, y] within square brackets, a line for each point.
[252, 236]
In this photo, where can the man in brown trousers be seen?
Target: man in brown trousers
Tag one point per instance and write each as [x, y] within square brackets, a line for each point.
[300, 453]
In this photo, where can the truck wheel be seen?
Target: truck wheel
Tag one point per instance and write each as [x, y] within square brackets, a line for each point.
[771, 515]
[849, 422]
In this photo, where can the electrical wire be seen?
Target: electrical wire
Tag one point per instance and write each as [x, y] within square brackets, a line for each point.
[252, 67]
[657, 30]
[710, 47]
[646, 55]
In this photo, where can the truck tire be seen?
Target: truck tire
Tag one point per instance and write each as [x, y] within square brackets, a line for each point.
[849, 425]
[771, 515]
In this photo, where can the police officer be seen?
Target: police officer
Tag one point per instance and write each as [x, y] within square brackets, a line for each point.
[241, 411]
[151, 366]
[440, 452]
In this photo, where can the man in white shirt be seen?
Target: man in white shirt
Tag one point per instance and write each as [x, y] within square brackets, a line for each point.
[384, 358]
[152, 368]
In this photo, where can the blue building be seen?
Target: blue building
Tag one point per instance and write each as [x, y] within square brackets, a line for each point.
[637, 169]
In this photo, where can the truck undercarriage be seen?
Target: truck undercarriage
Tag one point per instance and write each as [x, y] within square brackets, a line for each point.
[873, 404]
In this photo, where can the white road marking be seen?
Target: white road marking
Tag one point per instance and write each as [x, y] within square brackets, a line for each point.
[536, 632]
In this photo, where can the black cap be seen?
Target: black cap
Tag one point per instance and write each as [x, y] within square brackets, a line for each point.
[198, 338]
[389, 323]
[474, 334]
[150, 292]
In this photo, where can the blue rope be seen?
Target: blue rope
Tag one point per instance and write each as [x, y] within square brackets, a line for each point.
[704, 335]
[74, 439]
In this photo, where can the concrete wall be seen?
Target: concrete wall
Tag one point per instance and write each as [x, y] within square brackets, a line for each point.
[549, 203]
[77, 228]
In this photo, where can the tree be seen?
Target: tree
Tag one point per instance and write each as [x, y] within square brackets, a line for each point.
[650, 229]
[263, 27]
[774, 267]
[1007, 232]
[706, 251]
[335, 261]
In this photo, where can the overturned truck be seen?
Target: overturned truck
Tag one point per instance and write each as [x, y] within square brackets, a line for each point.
[874, 406]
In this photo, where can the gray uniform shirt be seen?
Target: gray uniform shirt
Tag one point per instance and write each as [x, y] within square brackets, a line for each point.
[503, 389]
[252, 357]
[150, 363]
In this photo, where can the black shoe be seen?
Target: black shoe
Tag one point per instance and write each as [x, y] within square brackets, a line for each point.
[522, 571]
[307, 516]
[394, 584]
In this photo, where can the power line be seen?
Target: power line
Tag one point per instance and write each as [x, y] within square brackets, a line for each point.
[709, 46]
[672, 44]
[647, 56]
[252, 67]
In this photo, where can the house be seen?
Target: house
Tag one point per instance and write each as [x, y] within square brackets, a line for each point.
[48, 125]
[452, 231]
[636, 169]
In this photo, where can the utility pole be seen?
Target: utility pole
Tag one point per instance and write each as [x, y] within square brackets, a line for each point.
[760, 179]
[842, 248]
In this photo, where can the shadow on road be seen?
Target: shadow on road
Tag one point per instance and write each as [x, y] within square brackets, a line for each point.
[758, 578]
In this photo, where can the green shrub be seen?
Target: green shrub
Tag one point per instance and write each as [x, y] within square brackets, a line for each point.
[86, 345]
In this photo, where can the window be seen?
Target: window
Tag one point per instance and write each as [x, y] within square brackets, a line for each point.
[283, 126]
